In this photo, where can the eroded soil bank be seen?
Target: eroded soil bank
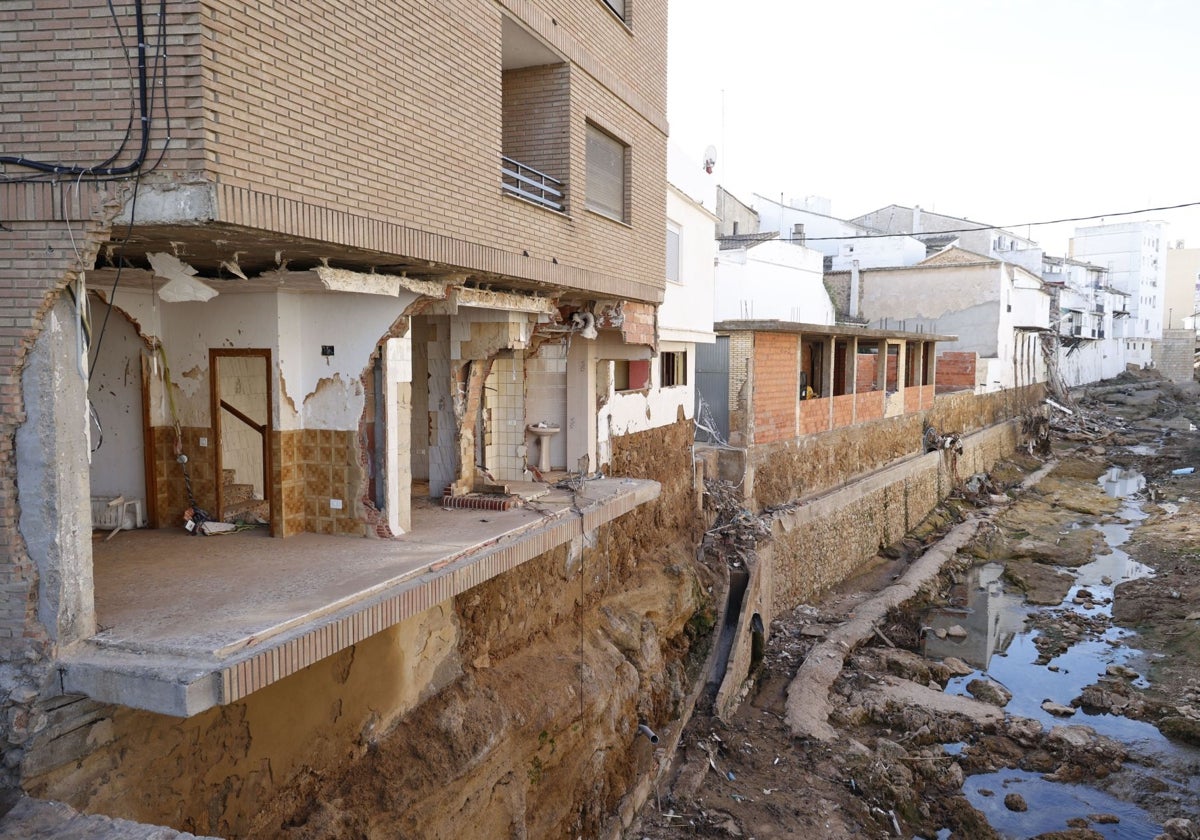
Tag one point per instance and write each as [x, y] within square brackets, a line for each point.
[1046, 684]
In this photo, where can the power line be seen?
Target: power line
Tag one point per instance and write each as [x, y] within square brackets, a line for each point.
[1003, 227]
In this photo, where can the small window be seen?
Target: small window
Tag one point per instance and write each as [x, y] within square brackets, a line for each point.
[674, 368]
[673, 273]
[618, 6]
[605, 174]
[631, 376]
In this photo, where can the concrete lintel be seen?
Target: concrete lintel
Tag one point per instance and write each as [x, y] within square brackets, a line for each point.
[170, 203]
[509, 301]
[343, 280]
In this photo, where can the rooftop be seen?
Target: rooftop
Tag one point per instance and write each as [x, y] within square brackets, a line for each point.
[188, 623]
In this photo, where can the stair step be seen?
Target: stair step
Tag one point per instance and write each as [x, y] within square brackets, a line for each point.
[232, 493]
[249, 510]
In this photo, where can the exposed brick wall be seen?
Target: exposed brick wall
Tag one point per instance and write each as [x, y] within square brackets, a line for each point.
[866, 372]
[537, 125]
[814, 416]
[810, 464]
[775, 383]
[956, 371]
[319, 121]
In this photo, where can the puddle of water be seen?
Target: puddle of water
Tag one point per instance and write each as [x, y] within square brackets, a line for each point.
[1051, 804]
[1000, 646]
[1142, 449]
[1120, 483]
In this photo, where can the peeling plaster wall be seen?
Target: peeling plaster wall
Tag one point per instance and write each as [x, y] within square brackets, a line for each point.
[639, 411]
[963, 300]
[327, 389]
[115, 391]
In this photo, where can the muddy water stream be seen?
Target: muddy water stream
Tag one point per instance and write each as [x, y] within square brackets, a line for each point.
[1001, 641]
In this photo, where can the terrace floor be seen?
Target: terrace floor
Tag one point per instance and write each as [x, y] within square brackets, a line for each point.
[187, 623]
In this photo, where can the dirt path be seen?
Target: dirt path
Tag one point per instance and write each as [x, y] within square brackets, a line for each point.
[895, 744]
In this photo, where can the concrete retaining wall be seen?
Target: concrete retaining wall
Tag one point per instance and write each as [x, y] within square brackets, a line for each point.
[824, 541]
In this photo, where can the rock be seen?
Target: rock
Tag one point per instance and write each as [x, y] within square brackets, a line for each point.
[1015, 802]
[1057, 708]
[1192, 617]
[1076, 737]
[956, 632]
[940, 632]
[989, 692]
[1084, 595]
[1121, 671]
[1181, 829]
[813, 631]
[1025, 731]
[957, 667]
[1104, 819]
[1106, 580]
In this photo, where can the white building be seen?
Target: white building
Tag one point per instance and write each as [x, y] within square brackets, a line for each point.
[1135, 254]
[1091, 317]
[938, 231]
[996, 309]
[842, 242]
[763, 278]
[644, 393]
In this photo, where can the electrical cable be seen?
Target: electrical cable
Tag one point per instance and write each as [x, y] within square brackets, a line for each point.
[1007, 227]
[143, 107]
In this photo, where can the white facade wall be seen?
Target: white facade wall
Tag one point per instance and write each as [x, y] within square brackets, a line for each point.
[772, 281]
[822, 233]
[1135, 254]
[686, 313]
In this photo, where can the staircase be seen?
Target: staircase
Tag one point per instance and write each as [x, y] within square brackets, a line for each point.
[239, 502]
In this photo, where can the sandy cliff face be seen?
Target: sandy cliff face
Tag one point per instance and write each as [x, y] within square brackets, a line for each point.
[511, 710]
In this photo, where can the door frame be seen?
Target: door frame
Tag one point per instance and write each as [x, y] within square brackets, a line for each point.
[214, 355]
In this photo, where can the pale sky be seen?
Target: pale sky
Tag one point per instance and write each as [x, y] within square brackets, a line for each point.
[1002, 111]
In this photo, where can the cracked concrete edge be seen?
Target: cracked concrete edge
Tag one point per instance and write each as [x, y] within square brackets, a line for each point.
[808, 704]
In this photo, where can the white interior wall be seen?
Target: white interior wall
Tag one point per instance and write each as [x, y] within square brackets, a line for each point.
[397, 370]
[546, 400]
[115, 392]
[244, 385]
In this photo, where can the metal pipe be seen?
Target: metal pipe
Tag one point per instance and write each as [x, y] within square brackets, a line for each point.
[643, 729]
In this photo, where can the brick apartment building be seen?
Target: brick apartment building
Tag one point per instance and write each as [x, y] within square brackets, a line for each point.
[250, 234]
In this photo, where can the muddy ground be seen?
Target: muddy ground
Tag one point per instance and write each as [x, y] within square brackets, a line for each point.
[1119, 757]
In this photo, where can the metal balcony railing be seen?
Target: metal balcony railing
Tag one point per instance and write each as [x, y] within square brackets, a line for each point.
[528, 183]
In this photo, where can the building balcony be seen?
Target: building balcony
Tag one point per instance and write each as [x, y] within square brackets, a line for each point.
[532, 185]
[189, 623]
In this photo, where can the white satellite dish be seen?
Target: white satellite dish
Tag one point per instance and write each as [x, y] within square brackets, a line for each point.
[710, 159]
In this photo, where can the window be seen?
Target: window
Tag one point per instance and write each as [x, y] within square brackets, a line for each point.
[605, 174]
[673, 253]
[631, 376]
[674, 368]
[617, 6]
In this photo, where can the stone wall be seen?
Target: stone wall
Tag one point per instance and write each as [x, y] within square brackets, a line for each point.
[1174, 356]
[822, 542]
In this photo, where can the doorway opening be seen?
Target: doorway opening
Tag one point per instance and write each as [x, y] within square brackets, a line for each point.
[241, 418]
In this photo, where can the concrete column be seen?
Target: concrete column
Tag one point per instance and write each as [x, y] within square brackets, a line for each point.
[581, 404]
[53, 484]
[397, 375]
